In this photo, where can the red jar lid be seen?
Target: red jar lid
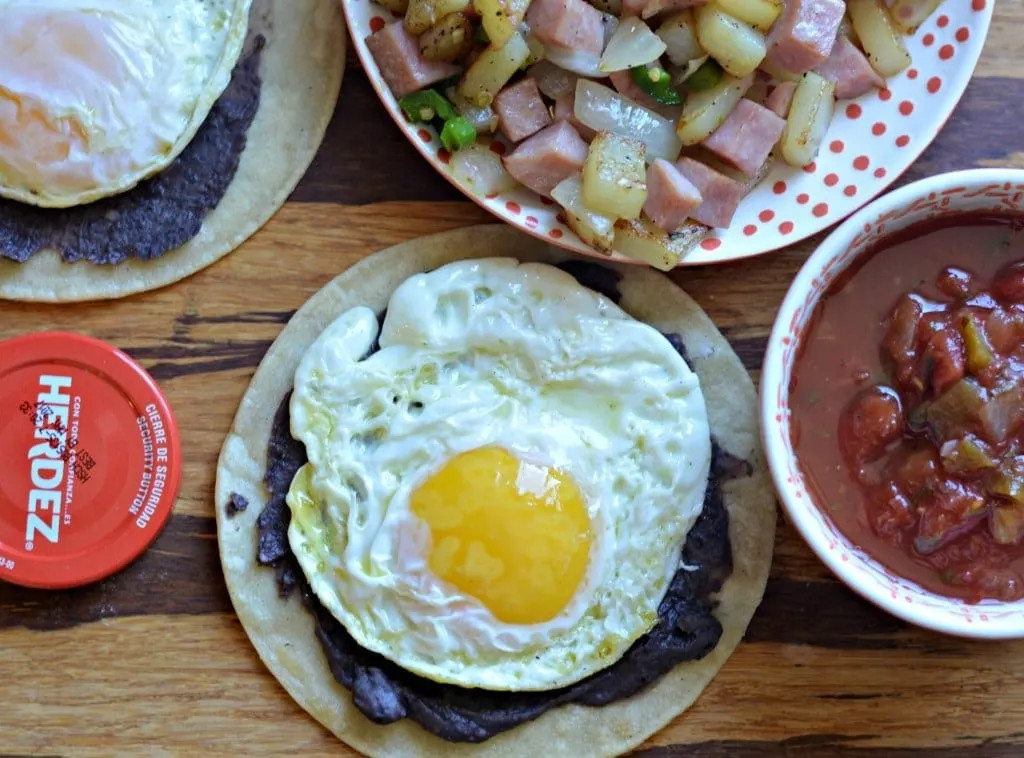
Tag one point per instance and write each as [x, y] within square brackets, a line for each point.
[90, 460]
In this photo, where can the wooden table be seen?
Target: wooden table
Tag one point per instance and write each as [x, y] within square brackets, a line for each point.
[153, 661]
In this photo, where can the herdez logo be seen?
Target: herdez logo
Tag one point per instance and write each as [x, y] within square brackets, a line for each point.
[48, 460]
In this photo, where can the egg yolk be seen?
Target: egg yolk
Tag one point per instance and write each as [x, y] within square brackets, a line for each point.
[513, 535]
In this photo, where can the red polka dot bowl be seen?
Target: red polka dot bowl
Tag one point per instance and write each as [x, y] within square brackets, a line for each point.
[977, 190]
[871, 141]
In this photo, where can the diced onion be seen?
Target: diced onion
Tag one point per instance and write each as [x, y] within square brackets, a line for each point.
[552, 81]
[603, 109]
[633, 44]
[483, 119]
[680, 38]
[578, 61]
[478, 167]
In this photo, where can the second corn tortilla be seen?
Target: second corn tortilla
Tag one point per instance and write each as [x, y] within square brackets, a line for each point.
[282, 631]
[301, 68]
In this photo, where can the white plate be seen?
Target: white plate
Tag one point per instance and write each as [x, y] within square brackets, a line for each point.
[871, 141]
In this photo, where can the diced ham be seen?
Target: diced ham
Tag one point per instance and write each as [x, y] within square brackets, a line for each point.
[572, 24]
[549, 156]
[521, 112]
[720, 194]
[848, 67]
[397, 54]
[803, 35]
[746, 136]
[654, 7]
[565, 110]
[780, 98]
[671, 197]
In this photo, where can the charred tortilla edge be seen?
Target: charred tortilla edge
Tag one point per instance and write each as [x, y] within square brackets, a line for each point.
[282, 632]
[301, 69]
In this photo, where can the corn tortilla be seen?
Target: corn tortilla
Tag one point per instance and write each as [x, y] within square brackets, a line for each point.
[301, 68]
[282, 631]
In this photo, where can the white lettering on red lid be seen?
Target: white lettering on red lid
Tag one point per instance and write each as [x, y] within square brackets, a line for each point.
[47, 466]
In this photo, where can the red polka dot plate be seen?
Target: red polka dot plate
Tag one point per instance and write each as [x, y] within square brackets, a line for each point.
[871, 141]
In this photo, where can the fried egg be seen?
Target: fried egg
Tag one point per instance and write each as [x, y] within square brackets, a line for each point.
[96, 95]
[498, 496]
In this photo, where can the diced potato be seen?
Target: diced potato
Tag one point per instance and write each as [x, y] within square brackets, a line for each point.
[423, 14]
[592, 228]
[643, 241]
[879, 36]
[910, 14]
[447, 40]
[809, 117]
[739, 47]
[396, 6]
[615, 176]
[491, 71]
[705, 110]
[759, 13]
[501, 18]
[680, 37]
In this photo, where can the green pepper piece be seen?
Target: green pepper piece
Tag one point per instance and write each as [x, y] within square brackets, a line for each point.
[426, 105]
[457, 133]
[1008, 480]
[976, 344]
[959, 408]
[1007, 523]
[707, 75]
[967, 455]
[657, 83]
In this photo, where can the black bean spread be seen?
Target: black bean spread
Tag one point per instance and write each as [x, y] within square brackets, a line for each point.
[687, 628]
[159, 214]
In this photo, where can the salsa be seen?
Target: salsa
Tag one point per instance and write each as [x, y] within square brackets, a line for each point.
[907, 405]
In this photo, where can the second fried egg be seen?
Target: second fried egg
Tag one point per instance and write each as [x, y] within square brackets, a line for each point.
[498, 496]
[96, 95]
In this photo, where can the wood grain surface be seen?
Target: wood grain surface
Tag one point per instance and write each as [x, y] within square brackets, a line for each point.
[153, 662]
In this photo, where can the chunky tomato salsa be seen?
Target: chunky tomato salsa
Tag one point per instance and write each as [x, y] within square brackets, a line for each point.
[908, 406]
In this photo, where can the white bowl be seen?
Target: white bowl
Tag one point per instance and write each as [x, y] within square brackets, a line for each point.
[871, 141]
[1000, 190]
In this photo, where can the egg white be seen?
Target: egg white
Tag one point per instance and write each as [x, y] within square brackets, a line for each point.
[492, 352]
[125, 83]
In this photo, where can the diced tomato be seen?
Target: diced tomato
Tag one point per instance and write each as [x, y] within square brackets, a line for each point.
[899, 341]
[892, 512]
[954, 509]
[944, 354]
[1003, 584]
[1001, 329]
[913, 470]
[870, 421]
[1008, 284]
[954, 282]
